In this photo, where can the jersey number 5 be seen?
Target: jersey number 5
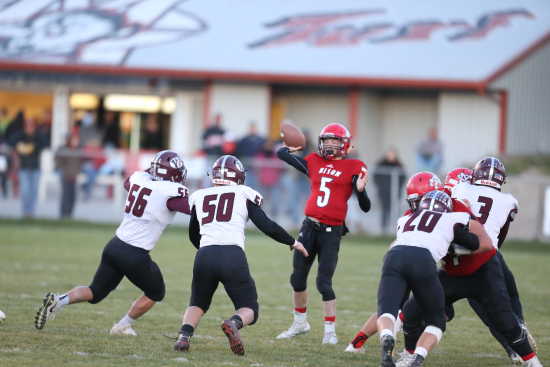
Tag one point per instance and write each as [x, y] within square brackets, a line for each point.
[222, 209]
[137, 204]
[322, 200]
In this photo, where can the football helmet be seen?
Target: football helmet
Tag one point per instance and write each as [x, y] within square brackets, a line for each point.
[334, 131]
[419, 184]
[228, 170]
[455, 176]
[167, 165]
[437, 201]
[489, 172]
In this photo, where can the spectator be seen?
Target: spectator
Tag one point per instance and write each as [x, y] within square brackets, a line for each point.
[87, 128]
[111, 131]
[213, 139]
[152, 136]
[68, 160]
[269, 176]
[389, 178]
[429, 154]
[4, 120]
[247, 148]
[28, 145]
[5, 165]
[95, 158]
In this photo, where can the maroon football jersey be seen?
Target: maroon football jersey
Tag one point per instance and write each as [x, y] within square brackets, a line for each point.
[331, 187]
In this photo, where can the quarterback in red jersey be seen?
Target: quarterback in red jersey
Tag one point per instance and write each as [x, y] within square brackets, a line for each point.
[333, 179]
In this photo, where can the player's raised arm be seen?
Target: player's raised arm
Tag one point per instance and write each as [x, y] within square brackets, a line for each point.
[272, 229]
[359, 183]
[299, 163]
[179, 203]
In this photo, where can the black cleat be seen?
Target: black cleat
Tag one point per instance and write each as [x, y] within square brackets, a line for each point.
[46, 311]
[417, 361]
[388, 342]
[233, 336]
[182, 343]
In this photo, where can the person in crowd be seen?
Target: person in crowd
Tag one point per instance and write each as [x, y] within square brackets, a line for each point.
[247, 148]
[429, 153]
[5, 165]
[389, 178]
[4, 120]
[87, 128]
[68, 161]
[111, 130]
[28, 144]
[95, 158]
[152, 135]
[270, 169]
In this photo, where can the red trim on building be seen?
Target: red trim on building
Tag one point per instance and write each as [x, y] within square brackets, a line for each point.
[503, 121]
[353, 109]
[230, 75]
[516, 60]
[206, 97]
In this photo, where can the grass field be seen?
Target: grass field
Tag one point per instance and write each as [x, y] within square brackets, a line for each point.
[36, 257]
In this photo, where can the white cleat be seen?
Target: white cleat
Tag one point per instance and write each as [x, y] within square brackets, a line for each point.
[533, 362]
[351, 349]
[122, 330]
[47, 310]
[330, 338]
[297, 328]
[405, 359]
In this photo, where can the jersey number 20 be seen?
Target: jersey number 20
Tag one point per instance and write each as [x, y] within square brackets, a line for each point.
[137, 204]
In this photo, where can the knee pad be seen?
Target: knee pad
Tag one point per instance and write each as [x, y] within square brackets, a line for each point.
[324, 286]
[256, 309]
[298, 281]
[99, 295]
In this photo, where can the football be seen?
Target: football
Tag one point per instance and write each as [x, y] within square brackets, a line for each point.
[292, 135]
[2, 317]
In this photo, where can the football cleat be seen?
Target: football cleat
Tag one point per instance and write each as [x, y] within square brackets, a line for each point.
[533, 362]
[233, 336]
[47, 310]
[182, 343]
[297, 328]
[125, 329]
[405, 359]
[388, 342]
[330, 338]
[417, 361]
[515, 358]
[351, 349]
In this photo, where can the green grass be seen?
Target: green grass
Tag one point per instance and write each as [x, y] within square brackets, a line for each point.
[36, 257]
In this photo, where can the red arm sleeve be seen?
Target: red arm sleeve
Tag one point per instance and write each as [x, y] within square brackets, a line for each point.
[179, 204]
[460, 206]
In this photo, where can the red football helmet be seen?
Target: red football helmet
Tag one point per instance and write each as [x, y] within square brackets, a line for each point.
[455, 176]
[167, 165]
[437, 201]
[334, 131]
[419, 184]
[489, 172]
[228, 170]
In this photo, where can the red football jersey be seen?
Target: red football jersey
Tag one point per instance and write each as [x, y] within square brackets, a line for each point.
[466, 264]
[331, 187]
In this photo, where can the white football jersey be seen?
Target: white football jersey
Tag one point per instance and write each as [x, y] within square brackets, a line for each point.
[145, 212]
[222, 213]
[490, 206]
[431, 230]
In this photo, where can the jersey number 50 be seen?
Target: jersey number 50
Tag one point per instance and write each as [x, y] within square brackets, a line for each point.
[222, 210]
[322, 200]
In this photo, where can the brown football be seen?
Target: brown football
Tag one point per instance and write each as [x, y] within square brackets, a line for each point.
[292, 135]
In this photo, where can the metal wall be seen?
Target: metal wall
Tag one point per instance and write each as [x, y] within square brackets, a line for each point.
[528, 85]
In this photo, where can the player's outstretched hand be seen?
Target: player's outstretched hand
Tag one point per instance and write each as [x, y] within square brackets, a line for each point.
[294, 149]
[362, 181]
[299, 247]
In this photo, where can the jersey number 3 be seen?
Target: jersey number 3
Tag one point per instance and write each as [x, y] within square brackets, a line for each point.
[322, 199]
[222, 209]
[137, 204]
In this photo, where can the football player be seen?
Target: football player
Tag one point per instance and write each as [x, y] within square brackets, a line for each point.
[219, 215]
[333, 178]
[480, 276]
[418, 184]
[154, 197]
[423, 238]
